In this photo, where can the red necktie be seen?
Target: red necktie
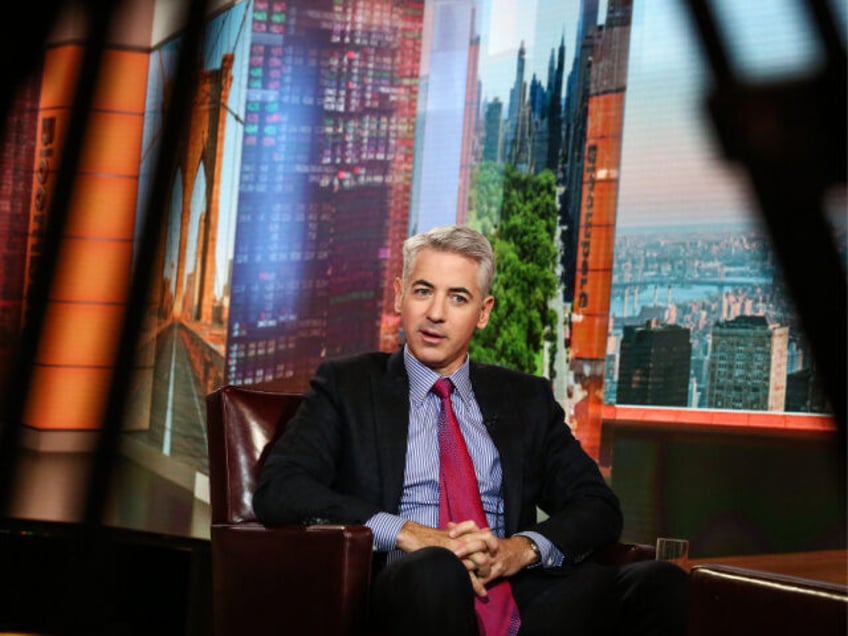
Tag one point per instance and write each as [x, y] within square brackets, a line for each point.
[459, 499]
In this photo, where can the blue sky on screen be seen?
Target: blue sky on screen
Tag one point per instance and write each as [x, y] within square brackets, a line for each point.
[672, 171]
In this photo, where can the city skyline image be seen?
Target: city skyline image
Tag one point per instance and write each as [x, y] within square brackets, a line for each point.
[691, 246]
[307, 164]
[324, 164]
[635, 272]
[572, 134]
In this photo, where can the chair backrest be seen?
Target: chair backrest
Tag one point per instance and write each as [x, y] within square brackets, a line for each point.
[241, 423]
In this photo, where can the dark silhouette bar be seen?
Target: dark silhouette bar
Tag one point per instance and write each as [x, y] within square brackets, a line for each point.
[790, 136]
[86, 578]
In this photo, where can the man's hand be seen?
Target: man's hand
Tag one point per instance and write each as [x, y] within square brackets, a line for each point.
[505, 556]
[466, 540]
[485, 556]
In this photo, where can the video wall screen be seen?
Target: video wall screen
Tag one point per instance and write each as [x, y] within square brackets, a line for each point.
[574, 134]
[635, 269]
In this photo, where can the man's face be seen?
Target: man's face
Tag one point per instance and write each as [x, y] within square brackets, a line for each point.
[441, 307]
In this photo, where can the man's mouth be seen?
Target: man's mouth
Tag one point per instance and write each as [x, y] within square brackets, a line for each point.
[431, 336]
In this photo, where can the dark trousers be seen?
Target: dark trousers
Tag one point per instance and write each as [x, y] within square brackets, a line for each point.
[429, 593]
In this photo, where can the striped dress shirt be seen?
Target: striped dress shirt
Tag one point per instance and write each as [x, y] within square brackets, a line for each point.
[420, 496]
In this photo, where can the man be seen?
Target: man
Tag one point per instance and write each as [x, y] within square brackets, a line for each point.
[365, 448]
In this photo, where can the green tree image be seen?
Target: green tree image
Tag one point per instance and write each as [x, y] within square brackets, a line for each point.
[524, 240]
[486, 197]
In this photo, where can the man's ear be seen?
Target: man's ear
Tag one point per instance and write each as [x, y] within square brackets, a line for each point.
[485, 312]
[398, 294]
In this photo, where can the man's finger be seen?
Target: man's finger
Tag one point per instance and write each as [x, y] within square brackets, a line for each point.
[464, 527]
[478, 585]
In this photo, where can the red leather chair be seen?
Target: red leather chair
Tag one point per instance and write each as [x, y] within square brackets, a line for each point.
[289, 579]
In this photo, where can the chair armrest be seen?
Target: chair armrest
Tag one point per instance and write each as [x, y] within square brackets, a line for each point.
[624, 553]
[735, 601]
[292, 579]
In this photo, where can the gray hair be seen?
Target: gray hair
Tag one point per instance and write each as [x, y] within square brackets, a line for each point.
[458, 239]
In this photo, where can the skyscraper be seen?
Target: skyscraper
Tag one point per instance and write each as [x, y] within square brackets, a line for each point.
[324, 192]
[468, 153]
[515, 108]
[591, 186]
[16, 183]
[493, 131]
[590, 243]
[555, 108]
[448, 88]
[574, 143]
[747, 366]
[654, 365]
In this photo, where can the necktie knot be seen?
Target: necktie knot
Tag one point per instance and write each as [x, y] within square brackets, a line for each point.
[443, 387]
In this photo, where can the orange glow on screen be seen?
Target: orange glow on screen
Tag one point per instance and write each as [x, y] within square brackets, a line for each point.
[87, 300]
[67, 398]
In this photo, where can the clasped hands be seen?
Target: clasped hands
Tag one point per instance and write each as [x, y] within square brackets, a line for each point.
[485, 556]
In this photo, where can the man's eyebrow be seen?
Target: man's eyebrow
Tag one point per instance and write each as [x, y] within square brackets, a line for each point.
[454, 290]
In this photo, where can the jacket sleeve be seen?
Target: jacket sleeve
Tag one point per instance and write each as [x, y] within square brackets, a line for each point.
[309, 475]
[556, 476]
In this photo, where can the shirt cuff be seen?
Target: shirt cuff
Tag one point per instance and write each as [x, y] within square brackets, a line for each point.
[550, 555]
[385, 528]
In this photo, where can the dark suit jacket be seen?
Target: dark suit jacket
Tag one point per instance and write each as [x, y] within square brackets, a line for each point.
[341, 460]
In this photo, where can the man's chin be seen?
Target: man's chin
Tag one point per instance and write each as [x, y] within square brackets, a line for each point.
[429, 355]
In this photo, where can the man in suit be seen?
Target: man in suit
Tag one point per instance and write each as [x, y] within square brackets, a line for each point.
[364, 449]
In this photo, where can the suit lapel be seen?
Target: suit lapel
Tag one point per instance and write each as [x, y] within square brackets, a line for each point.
[391, 421]
[505, 428]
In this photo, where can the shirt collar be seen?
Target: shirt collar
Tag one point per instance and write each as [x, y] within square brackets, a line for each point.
[422, 378]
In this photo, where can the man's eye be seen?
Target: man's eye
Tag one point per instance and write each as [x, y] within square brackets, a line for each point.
[421, 291]
[459, 299]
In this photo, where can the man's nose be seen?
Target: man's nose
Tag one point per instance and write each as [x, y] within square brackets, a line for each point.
[436, 309]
